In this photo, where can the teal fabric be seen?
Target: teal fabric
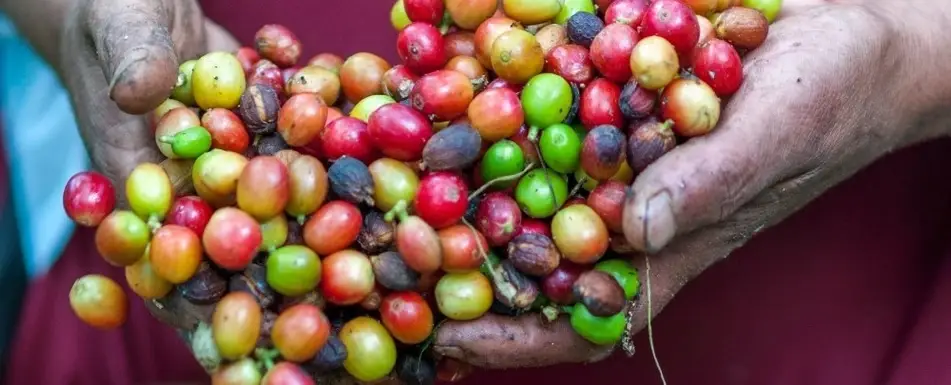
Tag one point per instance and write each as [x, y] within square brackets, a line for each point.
[43, 148]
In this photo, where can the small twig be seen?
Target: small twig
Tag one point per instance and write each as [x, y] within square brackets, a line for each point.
[501, 179]
[581, 182]
[650, 329]
[551, 189]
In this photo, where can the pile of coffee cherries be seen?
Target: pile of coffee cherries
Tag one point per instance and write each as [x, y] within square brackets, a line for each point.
[334, 213]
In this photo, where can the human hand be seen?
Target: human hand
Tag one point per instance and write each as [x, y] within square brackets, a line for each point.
[828, 93]
[119, 60]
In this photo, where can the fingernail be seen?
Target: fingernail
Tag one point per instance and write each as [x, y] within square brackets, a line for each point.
[659, 225]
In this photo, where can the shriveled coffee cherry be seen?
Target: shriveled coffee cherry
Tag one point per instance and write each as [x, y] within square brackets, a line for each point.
[231, 239]
[580, 234]
[611, 51]
[392, 272]
[315, 80]
[149, 191]
[263, 187]
[307, 186]
[122, 238]
[516, 56]
[629, 12]
[442, 199]
[602, 152]
[400, 132]
[259, 106]
[469, 14]
[351, 181]
[346, 278]
[692, 105]
[497, 218]
[206, 287]
[293, 270]
[333, 227]
[637, 102]
[487, 33]
[608, 201]
[88, 198]
[462, 248]
[425, 11]
[647, 142]
[442, 95]
[599, 104]
[496, 114]
[99, 301]
[570, 61]
[453, 148]
[533, 254]
[558, 284]
[399, 81]
[718, 64]
[674, 21]
[654, 62]
[743, 27]
[218, 81]
[277, 44]
[175, 253]
[600, 293]
[551, 36]
[236, 325]
[327, 61]
[348, 136]
[583, 27]
[393, 181]
[227, 130]
[421, 48]
[361, 75]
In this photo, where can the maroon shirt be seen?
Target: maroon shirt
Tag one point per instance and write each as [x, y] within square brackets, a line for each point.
[855, 289]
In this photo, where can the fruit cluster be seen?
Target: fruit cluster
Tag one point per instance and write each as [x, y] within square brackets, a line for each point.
[336, 205]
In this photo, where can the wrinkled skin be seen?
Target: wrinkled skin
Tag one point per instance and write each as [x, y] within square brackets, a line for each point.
[119, 59]
[833, 66]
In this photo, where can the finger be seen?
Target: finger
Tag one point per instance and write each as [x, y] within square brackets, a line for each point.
[498, 342]
[219, 39]
[135, 50]
[754, 145]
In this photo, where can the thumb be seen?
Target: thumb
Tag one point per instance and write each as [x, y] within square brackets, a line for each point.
[707, 179]
[135, 49]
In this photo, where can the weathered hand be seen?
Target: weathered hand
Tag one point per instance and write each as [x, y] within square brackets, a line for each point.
[828, 93]
[119, 60]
